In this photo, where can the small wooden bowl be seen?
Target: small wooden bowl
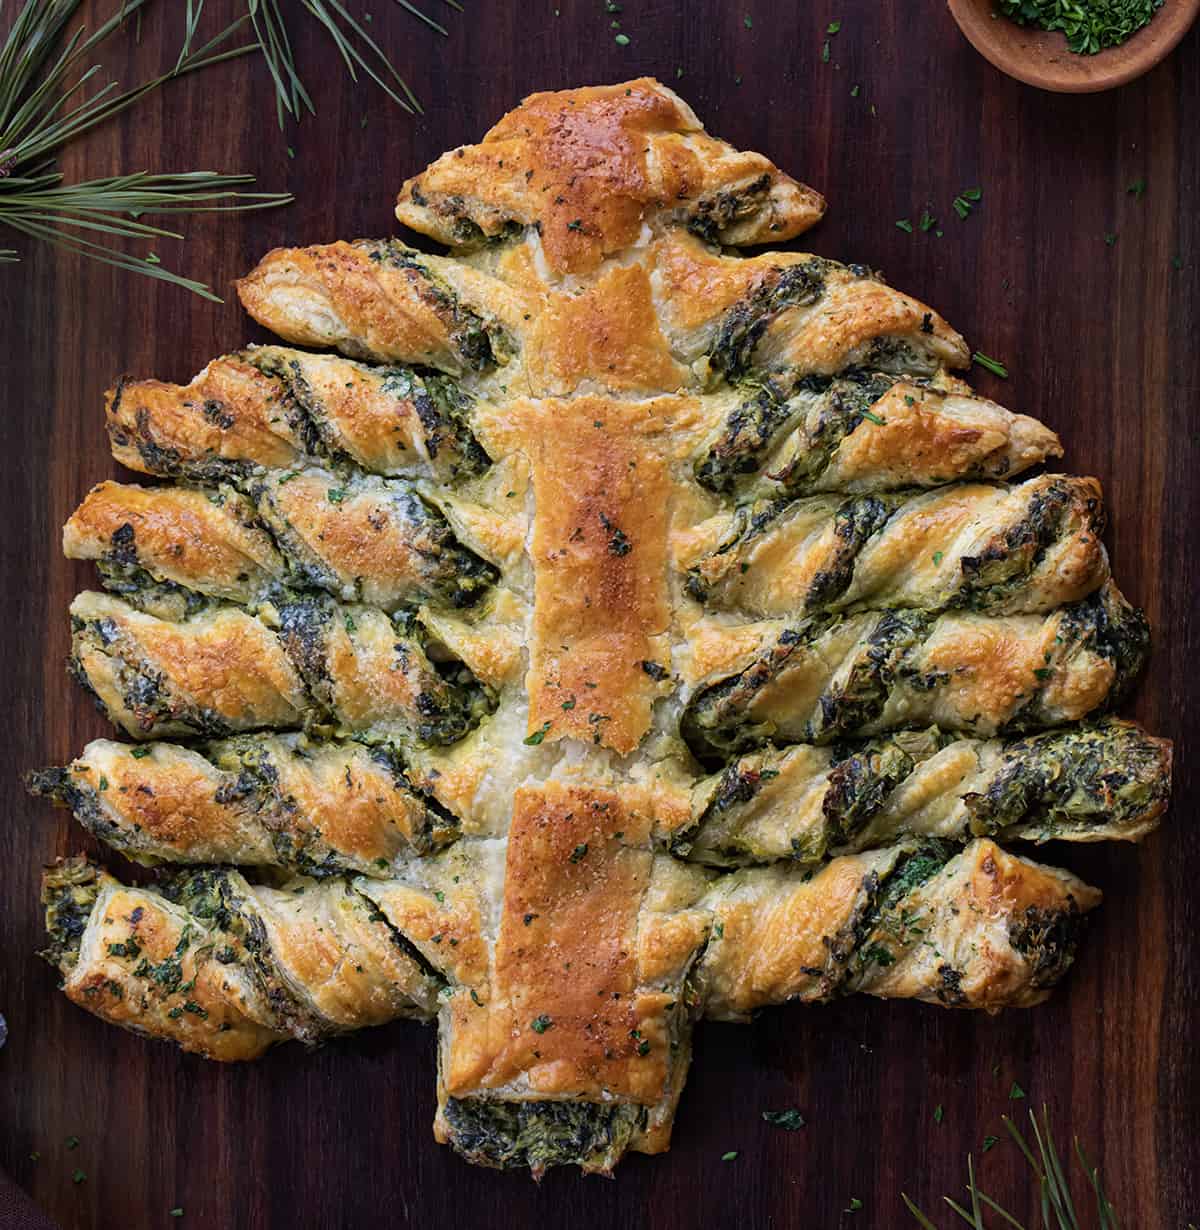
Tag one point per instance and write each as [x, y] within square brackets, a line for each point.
[1040, 57]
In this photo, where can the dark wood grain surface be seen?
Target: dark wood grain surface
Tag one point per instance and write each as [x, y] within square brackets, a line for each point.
[1101, 341]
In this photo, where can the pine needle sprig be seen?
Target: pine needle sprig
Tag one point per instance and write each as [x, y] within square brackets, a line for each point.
[359, 51]
[1058, 1210]
[42, 108]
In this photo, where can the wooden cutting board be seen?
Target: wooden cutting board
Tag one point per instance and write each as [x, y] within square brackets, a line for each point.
[1101, 342]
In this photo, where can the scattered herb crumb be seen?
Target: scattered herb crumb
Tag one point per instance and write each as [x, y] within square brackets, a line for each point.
[904, 225]
[538, 735]
[855, 1205]
[938, 1113]
[855, 90]
[622, 40]
[874, 418]
[177, 1211]
[938, 556]
[1137, 189]
[747, 22]
[990, 1142]
[1016, 1092]
[825, 53]
[790, 1120]
[580, 852]
[730, 1156]
[992, 365]
[72, 1142]
[928, 221]
[1110, 238]
[540, 1024]
[79, 1176]
[833, 27]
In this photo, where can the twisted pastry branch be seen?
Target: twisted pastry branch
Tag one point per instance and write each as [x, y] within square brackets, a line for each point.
[864, 674]
[865, 431]
[278, 408]
[1091, 783]
[973, 928]
[254, 801]
[1004, 550]
[358, 538]
[319, 666]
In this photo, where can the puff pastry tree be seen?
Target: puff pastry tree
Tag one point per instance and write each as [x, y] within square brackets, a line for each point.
[603, 630]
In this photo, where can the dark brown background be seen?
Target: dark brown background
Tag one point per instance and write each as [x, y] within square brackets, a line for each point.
[1101, 342]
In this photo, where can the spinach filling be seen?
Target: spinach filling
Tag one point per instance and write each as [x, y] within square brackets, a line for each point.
[502, 1134]
[480, 344]
[859, 698]
[713, 214]
[69, 894]
[883, 927]
[1061, 782]
[1048, 940]
[820, 413]
[745, 323]
[715, 725]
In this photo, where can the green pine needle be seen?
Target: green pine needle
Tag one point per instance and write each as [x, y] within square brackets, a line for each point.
[43, 107]
[1053, 1185]
[358, 50]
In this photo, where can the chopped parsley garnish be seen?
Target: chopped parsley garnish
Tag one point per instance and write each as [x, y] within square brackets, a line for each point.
[789, 1120]
[538, 735]
[1088, 28]
[540, 1024]
[1110, 239]
[138, 752]
[992, 365]
[855, 1205]
[730, 1156]
[578, 853]
[1016, 1092]
[938, 1113]
[79, 1176]
[990, 1142]
[938, 556]
[1137, 189]
[747, 22]
[335, 495]
[622, 40]
[928, 221]
[825, 53]
[855, 90]
[905, 225]
[833, 27]
[874, 418]
[72, 1142]
[176, 1212]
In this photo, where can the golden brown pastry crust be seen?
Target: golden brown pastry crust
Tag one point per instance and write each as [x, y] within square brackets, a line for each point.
[205, 540]
[589, 167]
[260, 800]
[601, 606]
[276, 408]
[613, 384]
[230, 411]
[786, 934]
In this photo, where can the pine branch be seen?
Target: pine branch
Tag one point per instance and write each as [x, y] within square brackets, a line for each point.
[1054, 1188]
[42, 108]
